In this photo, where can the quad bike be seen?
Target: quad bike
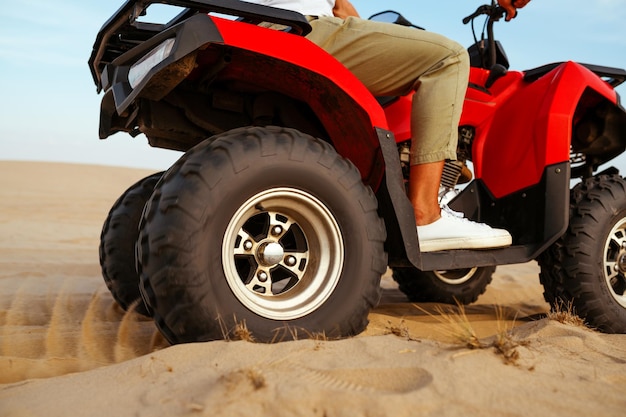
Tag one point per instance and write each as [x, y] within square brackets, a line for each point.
[289, 201]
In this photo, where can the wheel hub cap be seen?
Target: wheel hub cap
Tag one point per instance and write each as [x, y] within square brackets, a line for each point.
[270, 254]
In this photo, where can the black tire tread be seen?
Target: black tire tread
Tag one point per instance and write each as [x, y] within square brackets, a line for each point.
[571, 269]
[165, 252]
[426, 287]
[117, 243]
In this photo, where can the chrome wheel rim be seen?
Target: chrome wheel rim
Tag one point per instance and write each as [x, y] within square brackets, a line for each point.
[282, 253]
[614, 262]
[456, 276]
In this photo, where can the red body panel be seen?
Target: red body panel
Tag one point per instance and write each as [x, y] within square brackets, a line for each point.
[398, 117]
[521, 127]
[300, 51]
[529, 127]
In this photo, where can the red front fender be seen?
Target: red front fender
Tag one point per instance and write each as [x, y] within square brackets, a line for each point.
[526, 126]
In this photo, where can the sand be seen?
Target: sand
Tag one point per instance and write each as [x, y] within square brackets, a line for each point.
[66, 348]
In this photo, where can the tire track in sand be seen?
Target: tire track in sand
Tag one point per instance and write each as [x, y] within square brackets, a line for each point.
[54, 325]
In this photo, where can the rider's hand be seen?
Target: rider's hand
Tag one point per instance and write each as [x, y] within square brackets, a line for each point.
[343, 9]
[511, 7]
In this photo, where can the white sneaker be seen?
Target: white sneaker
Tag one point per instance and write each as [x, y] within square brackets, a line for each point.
[454, 231]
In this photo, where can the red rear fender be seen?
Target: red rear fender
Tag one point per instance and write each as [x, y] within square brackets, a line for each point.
[294, 66]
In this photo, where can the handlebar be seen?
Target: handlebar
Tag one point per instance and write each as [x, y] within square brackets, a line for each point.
[494, 12]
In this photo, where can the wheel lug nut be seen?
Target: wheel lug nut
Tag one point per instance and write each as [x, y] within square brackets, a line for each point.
[290, 260]
[262, 276]
[247, 245]
[277, 230]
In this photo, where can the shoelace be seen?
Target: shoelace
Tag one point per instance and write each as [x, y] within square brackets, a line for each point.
[448, 212]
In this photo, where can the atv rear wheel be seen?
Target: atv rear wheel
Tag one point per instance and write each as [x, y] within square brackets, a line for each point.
[586, 267]
[451, 286]
[117, 243]
[263, 229]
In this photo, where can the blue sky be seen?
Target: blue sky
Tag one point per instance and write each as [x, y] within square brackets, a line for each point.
[49, 108]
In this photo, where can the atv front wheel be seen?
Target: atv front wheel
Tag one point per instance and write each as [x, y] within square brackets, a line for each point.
[451, 286]
[117, 243]
[265, 229]
[586, 267]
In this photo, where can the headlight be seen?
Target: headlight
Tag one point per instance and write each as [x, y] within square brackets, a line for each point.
[140, 69]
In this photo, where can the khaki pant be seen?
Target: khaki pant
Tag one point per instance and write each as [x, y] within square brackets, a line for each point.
[393, 60]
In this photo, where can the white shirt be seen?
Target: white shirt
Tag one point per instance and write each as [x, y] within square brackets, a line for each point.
[306, 7]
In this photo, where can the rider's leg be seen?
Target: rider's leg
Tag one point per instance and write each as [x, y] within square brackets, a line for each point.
[424, 191]
[394, 60]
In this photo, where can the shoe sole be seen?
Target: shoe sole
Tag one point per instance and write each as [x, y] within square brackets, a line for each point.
[469, 243]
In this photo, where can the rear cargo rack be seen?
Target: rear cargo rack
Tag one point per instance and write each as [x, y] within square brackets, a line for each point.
[123, 32]
[613, 76]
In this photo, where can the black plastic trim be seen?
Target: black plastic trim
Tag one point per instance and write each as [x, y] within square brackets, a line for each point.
[190, 35]
[616, 76]
[550, 222]
[122, 32]
[547, 224]
[402, 245]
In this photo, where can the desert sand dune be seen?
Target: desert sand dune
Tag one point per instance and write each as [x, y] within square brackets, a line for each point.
[67, 348]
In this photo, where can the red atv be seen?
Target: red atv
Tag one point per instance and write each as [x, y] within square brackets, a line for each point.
[289, 201]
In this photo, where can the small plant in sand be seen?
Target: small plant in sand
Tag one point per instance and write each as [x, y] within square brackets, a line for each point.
[241, 332]
[504, 343]
[296, 333]
[457, 325]
[256, 378]
[459, 328]
[252, 376]
[319, 339]
[565, 313]
[286, 332]
[400, 330]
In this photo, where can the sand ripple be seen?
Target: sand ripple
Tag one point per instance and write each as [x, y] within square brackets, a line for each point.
[54, 327]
